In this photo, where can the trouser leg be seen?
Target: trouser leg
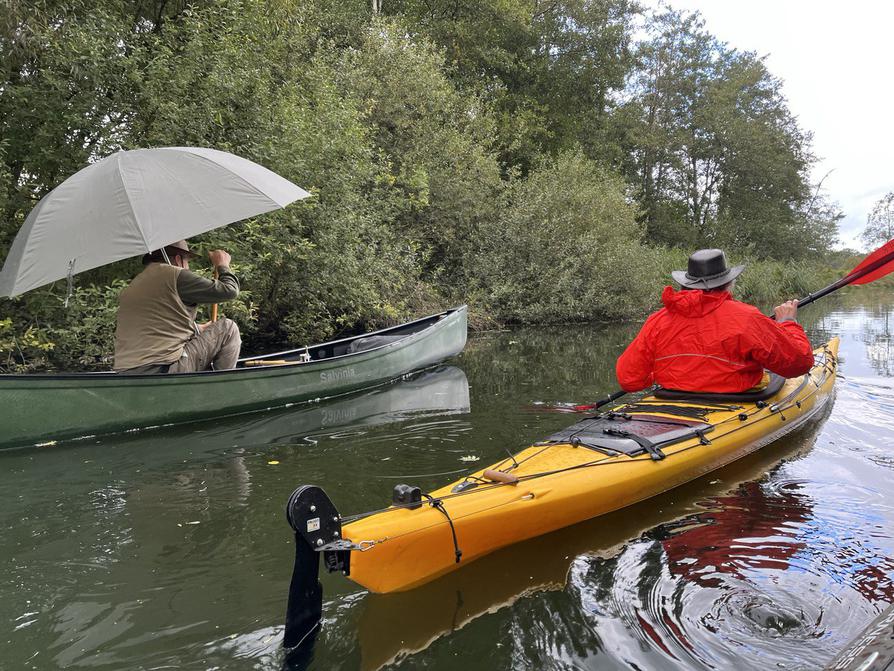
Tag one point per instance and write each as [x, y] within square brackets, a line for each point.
[219, 344]
[230, 344]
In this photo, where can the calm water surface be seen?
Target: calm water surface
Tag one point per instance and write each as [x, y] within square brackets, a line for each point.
[169, 549]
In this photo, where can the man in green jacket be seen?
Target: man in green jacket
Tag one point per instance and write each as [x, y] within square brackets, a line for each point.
[157, 330]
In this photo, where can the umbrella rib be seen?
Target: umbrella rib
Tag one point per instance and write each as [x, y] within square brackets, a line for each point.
[130, 203]
[241, 179]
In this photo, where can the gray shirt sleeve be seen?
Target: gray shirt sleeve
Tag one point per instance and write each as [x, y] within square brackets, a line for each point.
[194, 289]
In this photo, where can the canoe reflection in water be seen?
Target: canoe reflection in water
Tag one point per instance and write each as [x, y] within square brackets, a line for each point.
[442, 390]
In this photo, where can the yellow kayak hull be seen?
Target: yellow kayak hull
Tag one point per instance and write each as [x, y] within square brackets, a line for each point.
[562, 484]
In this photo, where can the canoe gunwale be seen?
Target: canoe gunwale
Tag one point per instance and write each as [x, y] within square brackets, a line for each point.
[436, 319]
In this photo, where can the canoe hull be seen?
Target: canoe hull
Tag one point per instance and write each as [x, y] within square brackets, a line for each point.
[412, 547]
[40, 409]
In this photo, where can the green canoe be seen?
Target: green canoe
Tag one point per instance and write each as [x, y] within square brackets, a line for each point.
[39, 409]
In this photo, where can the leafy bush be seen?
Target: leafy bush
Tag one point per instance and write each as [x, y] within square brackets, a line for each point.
[53, 337]
[565, 247]
[444, 179]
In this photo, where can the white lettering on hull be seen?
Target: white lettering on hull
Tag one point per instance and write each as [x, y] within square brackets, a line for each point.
[337, 375]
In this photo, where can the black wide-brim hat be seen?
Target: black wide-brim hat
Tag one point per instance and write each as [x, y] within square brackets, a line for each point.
[708, 269]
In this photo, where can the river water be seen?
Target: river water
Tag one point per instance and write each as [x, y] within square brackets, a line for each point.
[169, 549]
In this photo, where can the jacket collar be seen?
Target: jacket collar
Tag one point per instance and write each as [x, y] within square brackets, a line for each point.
[693, 302]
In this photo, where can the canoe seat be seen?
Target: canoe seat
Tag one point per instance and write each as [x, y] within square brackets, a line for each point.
[371, 342]
[772, 388]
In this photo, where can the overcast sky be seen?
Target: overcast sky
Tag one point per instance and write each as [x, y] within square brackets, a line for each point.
[835, 60]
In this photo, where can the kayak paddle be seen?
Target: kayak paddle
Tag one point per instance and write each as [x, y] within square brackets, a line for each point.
[875, 266]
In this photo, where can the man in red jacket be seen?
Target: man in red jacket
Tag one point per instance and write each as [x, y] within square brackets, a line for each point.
[703, 340]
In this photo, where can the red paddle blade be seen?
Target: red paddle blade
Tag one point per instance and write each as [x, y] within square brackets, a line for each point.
[885, 250]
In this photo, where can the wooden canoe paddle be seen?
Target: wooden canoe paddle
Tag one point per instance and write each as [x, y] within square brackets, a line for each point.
[214, 307]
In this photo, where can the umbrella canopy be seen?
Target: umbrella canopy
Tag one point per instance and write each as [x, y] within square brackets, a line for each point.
[134, 202]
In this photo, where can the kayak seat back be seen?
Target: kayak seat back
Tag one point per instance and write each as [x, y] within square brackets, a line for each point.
[772, 388]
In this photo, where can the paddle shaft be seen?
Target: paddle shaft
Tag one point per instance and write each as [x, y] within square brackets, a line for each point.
[214, 307]
[608, 399]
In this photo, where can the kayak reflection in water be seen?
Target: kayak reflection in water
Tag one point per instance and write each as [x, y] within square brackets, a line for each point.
[157, 331]
[758, 529]
[703, 340]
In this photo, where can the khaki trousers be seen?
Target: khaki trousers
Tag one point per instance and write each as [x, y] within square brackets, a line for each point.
[217, 345]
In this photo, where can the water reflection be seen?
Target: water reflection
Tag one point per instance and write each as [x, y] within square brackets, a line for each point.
[879, 343]
[730, 582]
[168, 549]
[140, 541]
[440, 391]
[749, 530]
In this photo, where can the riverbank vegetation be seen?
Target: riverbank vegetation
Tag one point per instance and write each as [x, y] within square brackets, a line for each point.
[542, 161]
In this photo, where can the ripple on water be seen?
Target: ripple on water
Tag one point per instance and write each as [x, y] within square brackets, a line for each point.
[754, 581]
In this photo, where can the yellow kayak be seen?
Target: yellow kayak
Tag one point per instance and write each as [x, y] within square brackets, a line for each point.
[600, 464]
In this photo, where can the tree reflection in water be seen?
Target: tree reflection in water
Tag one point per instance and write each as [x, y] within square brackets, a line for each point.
[879, 343]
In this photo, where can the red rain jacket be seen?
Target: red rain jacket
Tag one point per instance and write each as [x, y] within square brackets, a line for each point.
[706, 341]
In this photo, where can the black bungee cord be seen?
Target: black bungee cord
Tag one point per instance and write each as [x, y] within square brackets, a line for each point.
[437, 504]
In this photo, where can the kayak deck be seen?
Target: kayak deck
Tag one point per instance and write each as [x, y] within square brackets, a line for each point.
[598, 465]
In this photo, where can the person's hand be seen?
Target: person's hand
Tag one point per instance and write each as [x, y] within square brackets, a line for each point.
[219, 258]
[788, 310]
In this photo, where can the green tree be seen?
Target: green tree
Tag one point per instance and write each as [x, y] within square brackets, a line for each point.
[715, 153]
[880, 222]
[549, 68]
[434, 141]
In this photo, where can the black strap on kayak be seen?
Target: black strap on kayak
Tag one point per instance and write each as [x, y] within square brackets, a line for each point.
[648, 419]
[693, 412]
[645, 443]
[437, 504]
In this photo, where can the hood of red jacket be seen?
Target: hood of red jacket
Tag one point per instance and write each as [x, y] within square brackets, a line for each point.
[693, 302]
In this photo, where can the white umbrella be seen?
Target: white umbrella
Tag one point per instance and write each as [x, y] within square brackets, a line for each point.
[134, 202]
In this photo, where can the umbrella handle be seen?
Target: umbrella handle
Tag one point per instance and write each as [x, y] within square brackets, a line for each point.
[214, 307]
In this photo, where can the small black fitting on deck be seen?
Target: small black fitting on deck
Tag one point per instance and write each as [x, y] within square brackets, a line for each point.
[407, 496]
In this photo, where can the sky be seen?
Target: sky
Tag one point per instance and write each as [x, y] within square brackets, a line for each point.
[836, 61]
